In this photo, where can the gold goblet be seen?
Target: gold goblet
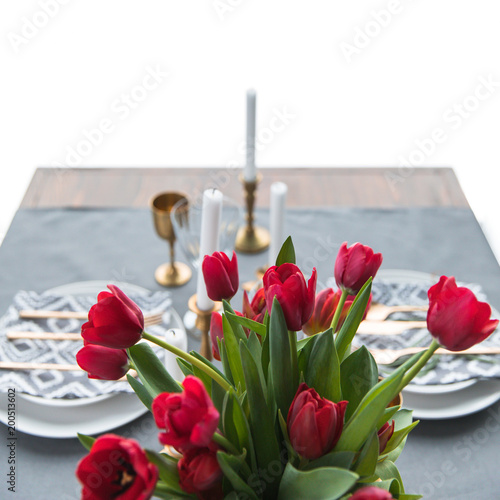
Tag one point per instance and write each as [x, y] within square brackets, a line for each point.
[172, 273]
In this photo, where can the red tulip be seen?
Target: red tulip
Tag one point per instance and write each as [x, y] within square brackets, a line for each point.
[324, 308]
[221, 275]
[371, 493]
[288, 285]
[115, 321]
[103, 362]
[116, 468]
[189, 417]
[354, 265]
[314, 423]
[217, 332]
[200, 473]
[456, 318]
[255, 310]
[384, 434]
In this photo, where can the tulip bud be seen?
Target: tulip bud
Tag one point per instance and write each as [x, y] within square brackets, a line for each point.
[115, 321]
[288, 285]
[456, 319]
[200, 473]
[221, 276]
[103, 362]
[371, 493]
[354, 265]
[314, 423]
[255, 310]
[384, 434]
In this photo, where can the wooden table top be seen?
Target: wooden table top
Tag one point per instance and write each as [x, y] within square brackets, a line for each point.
[349, 187]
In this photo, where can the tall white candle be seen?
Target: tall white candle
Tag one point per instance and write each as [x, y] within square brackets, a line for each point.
[209, 240]
[250, 171]
[178, 338]
[277, 219]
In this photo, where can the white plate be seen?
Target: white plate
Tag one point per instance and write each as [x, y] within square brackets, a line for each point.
[95, 415]
[40, 420]
[437, 402]
[469, 400]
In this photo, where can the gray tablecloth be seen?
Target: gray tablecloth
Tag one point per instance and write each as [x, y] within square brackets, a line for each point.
[451, 459]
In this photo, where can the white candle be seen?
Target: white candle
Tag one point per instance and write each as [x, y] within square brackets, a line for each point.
[277, 219]
[250, 171]
[209, 240]
[178, 338]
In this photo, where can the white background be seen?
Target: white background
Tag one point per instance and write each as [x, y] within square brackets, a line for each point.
[352, 98]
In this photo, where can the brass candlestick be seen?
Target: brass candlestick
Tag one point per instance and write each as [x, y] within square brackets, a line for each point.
[202, 323]
[172, 273]
[251, 239]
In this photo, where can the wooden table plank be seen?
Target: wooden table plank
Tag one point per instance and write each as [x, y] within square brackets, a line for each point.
[361, 187]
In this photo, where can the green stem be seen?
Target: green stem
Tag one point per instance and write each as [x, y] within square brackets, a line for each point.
[190, 359]
[293, 354]
[413, 372]
[338, 311]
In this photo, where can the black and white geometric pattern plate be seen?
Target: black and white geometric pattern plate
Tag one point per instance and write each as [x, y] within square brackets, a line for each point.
[58, 384]
[445, 369]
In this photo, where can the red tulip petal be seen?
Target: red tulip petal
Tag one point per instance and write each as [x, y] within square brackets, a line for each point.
[121, 337]
[128, 302]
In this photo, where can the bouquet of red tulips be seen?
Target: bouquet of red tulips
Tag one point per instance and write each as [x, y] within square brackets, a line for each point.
[285, 418]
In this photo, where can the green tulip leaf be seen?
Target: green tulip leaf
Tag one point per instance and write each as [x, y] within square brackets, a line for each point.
[164, 491]
[233, 356]
[167, 470]
[229, 313]
[230, 465]
[185, 366]
[371, 408]
[87, 441]
[225, 361]
[341, 459]
[405, 496]
[358, 374]
[386, 471]
[152, 372]
[261, 420]
[398, 437]
[281, 371]
[402, 420]
[367, 461]
[240, 428]
[304, 353]
[387, 415]
[352, 320]
[252, 325]
[141, 392]
[217, 394]
[325, 483]
[286, 253]
[323, 369]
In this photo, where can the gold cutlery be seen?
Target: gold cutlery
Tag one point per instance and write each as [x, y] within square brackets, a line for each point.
[379, 312]
[149, 319]
[368, 327]
[388, 356]
[24, 365]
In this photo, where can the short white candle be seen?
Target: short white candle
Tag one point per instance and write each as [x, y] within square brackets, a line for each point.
[250, 170]
[277, 219]
[178, 338]
[209, 240]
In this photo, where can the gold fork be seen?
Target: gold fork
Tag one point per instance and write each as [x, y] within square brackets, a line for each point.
[149, 319]
[388, 356]
[379, 312]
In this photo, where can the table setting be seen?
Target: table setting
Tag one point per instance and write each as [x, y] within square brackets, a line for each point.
[60, 260]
